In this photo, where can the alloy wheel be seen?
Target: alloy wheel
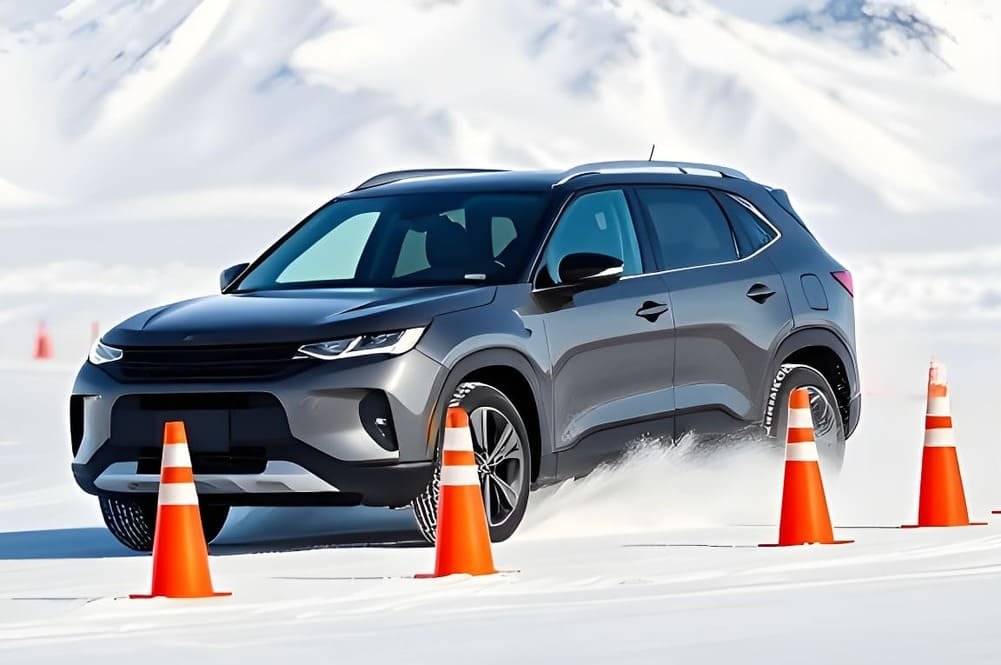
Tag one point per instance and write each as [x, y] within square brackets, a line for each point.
[500, 456]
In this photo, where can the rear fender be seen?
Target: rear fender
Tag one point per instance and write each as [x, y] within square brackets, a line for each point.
[814, 337]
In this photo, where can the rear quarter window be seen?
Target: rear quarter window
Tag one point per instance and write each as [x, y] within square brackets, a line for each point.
[751, 232]
[689, 226]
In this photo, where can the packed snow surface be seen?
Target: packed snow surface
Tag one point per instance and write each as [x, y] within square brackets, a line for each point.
[653, 560]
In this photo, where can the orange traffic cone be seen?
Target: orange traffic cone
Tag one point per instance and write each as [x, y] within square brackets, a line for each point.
[942, 500]
[463, 538]
[180, 555]
[43, 343]
[805, 519]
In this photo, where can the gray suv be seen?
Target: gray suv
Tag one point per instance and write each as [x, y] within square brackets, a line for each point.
[570, 313]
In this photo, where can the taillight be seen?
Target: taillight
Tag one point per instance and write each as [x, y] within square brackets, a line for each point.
[845, 279]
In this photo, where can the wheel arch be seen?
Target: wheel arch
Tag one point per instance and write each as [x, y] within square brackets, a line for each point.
[825, 351]
[514, 375]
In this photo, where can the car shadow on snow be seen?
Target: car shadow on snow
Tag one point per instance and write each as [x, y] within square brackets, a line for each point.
[258, 530]
[79, 543]
[98, 543]
[248, 531]
[382, 539]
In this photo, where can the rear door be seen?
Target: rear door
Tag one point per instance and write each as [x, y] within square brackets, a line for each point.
[612, 347]
[730, 307]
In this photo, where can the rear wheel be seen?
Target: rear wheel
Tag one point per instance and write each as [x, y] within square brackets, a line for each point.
[500, 442]
[828, 426]
[133, 521]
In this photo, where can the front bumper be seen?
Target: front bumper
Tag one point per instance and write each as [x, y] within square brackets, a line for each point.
[344, 432]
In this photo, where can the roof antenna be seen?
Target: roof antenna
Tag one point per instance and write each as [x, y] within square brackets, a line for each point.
[652, 148]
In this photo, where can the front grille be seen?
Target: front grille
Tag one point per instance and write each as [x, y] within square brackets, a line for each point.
[240, 460]
[207, 363]
[227, 433]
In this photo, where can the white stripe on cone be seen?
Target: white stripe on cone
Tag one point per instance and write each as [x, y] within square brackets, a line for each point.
[938, 406]
[939, 438]
[178, 494]
[459, 476]
[937, 374]
[176, 455]
[801, 452]
[457, 439]
[800, 418]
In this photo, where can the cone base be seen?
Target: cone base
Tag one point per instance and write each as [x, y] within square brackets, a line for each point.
[463, 544]
[147, 596]
[941, 498]
[804, 518]
[941, 526]
[433, 576]
[831, 542]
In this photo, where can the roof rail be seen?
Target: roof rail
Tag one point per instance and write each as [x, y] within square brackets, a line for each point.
[689, 168]
[396, 176]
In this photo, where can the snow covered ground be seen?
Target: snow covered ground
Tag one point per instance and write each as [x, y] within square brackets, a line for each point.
[654, 560]
[146, 145]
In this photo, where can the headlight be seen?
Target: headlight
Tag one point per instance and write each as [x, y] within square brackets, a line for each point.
[102, 353]
[393, 343]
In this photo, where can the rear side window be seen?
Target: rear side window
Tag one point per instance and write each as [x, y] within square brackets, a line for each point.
[751, 231]
[689, 226]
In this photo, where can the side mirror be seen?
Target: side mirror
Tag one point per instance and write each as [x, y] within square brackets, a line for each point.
[227, 276]
[589, 271]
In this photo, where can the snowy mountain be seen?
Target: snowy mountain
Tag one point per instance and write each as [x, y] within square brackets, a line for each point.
[201, 99]
[144, 144]
[873, 25]
[940, 35]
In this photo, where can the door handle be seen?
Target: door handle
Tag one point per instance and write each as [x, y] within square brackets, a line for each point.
[759, 293]
[651, 310]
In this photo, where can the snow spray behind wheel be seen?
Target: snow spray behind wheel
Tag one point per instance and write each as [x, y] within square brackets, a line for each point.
[661, 485]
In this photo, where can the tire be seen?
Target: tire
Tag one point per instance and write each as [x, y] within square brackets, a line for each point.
[483, 401]
[829, 428]
[133, 521]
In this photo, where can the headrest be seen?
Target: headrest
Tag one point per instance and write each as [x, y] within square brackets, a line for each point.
[446, 243]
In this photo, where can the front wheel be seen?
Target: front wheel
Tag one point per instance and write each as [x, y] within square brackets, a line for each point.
[828, 426]
[503, 458]
[133, 521]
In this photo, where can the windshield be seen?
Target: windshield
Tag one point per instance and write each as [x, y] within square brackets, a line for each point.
[409, 240]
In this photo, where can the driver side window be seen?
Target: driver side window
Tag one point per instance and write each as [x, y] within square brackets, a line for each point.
[596, 223]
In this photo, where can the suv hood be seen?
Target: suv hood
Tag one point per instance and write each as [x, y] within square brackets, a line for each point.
[298, 316]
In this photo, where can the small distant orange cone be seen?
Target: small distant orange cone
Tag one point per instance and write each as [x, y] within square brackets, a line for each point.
[43, 343]
[942, 500]
[180, 555]
[463, 538]
[805, 518]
